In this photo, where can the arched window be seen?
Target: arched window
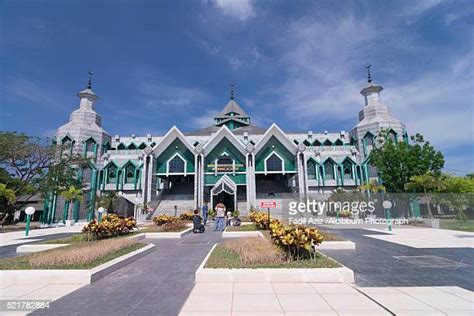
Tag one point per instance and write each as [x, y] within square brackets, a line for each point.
[67, 145]
[121, 147]
[90, 145]
[132, 146]
[306, 143]
[338, 142]
[274, 163]
[369, 139]
[225, 163]
[86, 175]
[112, 174]
[317, 143]
[142, 146]
[329, 170]
[327, 142]
[347, 167]
[129, 173]
[311, 169]
[176, 165]
[392, 135]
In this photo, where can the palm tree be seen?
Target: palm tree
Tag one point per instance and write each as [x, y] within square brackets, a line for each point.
[109, 200]
[426, 183]
[372, 186]
[72, 195]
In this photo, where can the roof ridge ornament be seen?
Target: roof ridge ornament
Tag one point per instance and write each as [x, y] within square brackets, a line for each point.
[89, 84]
[232, 85]
[369, 78]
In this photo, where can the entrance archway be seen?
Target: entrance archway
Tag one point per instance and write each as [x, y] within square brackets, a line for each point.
[225, 191]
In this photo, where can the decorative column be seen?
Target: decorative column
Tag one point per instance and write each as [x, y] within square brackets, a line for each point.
[301, 172]
[198, 175]
[250, 176]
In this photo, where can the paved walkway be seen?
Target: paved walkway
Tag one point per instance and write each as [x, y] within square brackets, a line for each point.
[156, 284]
[324, 299]
[18, 237]
[425, 237]
[379, 263]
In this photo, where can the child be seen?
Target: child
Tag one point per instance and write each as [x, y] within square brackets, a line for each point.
[198, 227]
[229, 218]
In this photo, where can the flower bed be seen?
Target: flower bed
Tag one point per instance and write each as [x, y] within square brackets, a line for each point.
[163, 219]
[110, 226]
[81, 255]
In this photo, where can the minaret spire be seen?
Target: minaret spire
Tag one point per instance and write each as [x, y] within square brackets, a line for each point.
[89, 84]
[232, 85]
[369, 78]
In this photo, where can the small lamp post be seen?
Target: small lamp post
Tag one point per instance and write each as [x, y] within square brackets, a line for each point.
[30, 210]
[387, 205]
[100, 211]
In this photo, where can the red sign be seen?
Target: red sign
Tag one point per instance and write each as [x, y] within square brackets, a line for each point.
[268, 204]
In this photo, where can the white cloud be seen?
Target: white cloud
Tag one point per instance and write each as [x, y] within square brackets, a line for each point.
[158, 93]
[204, 120]
[240, 9]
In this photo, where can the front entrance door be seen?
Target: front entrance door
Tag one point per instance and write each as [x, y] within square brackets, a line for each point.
[226, 198]
[225, 191]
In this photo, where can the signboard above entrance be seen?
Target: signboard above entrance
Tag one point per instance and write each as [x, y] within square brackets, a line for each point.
[268, 204]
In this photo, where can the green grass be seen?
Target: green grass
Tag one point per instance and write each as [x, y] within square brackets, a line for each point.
[453, 224]
[242, 228]
[224, 258]
[22, 263]
[329, 236]
[80, 238]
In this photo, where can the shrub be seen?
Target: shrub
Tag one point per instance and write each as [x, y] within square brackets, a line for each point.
[297, 241]
[256, 251]
[84, 254]
[173, 226]
[187, 216]
[163, 219]
[260, 219]
[111, 225]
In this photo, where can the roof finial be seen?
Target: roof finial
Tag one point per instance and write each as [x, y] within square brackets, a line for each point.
[89, 84]
[232, 85]
[369, 78]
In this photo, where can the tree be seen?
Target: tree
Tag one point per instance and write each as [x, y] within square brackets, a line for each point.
[372, 186]
[7, 194]
[397, 162]
[25, 158]
[109, 201]
[72, 194]
[457, 192]
[425, 183]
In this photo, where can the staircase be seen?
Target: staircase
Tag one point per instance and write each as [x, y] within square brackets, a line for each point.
[181, 194]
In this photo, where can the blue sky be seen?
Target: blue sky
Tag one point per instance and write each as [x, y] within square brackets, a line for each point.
[298, 63]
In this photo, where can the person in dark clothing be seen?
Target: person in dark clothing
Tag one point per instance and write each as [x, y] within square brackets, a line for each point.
[198, 227]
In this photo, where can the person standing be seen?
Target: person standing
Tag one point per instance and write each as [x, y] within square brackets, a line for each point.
[205, 209]
[220, 214]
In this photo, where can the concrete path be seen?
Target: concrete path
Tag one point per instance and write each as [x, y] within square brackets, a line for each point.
[425, 237]
[156, 284]
[380, 263]
[324, 299]
[18, 237]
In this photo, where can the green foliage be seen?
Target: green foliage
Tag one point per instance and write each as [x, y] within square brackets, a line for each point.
[340, 195]
[372, 186]
[458, 193]
[397, 162]
[7, 194]
[72, 194]
[425, 183]
[111, 225]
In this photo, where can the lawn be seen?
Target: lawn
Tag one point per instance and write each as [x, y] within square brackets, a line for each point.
[242, 228]
[453, 224]
[329, 236]
[79, 255]
[222, 257]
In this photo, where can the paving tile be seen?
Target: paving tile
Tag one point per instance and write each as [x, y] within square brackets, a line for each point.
[445, 301]
[417, 313]
[351, 302]
[311, 313]
[379, 290]
[259, 313]
[208, 303]
[420, 289]
[303, 302]
[252, 302]
[17, 290]
[401, 302]
[293, 288]
[459, 313]
[201, 314]
[467, 296]
[363, 313]
[453, 289]
[253, 288]
[331, 288]
[212, 288]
